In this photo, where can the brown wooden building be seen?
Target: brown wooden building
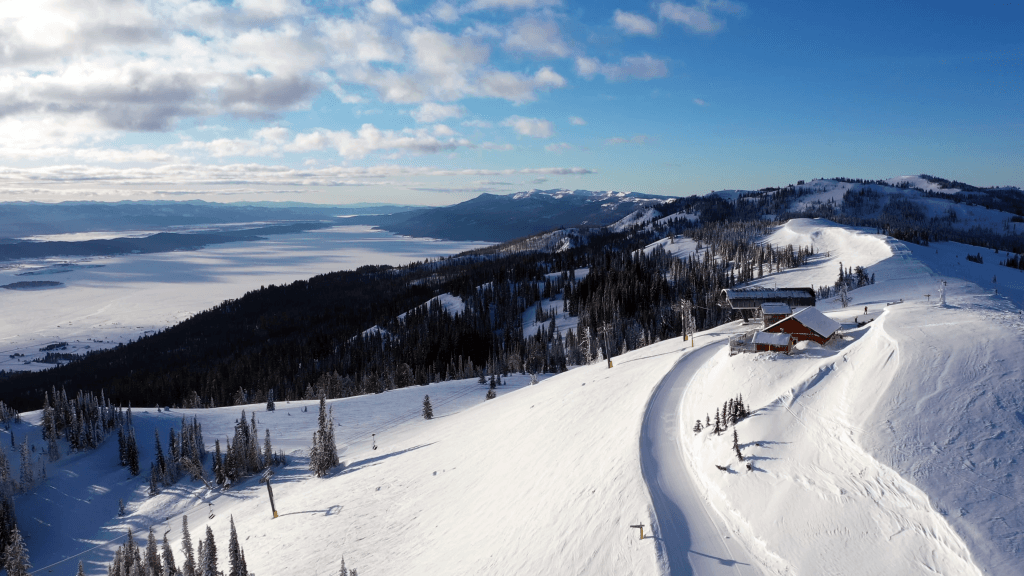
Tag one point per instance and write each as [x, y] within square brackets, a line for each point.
[772, 312]
[773, 342]
[807, 324]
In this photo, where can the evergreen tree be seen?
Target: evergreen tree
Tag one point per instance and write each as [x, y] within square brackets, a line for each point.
[188, 566]
[170, 569]
[16, 555]
[428, 411]
[27, 479]
[131, 452]
[344, 570]
[268, 450]
[161, 462]
[270, 400]
[81, 569]
[323, 454]
[218, 464]
[736, 444]
[209, 567]
[153, 488]
[153, 566]
[235, 561]
[491, 394]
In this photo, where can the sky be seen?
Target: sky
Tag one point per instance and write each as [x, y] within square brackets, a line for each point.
[435, 102]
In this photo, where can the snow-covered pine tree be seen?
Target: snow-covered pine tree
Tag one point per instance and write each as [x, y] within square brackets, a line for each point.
[201, 558]
[428, 410]
[81, 569]
[270, 400]
[736, 444]
[131, 451]
[697, 427]
[161, 462]
[344, 570]
[323, 455]
[188, 566]
[16, 555]
[167, 556]
[153, 488]
[491, 394]
[268, 450]
[218, 464]
[153, 566]
[209, 567]
[717, 431]
[27, 479]
[235, 554]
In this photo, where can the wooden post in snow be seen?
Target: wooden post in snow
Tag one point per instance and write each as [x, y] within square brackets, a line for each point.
[641, 527]
[266, 478]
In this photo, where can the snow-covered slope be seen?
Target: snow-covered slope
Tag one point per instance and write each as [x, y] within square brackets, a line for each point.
[893, 452]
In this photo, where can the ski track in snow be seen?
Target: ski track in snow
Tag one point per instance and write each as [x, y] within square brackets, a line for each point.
[687, 533]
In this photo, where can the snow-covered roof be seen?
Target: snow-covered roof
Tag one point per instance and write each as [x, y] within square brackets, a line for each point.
[776, 308]
[772, 338]
[815, 320]
[753, 298]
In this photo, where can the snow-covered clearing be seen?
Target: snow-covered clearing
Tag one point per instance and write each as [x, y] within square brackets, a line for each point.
[106, 301]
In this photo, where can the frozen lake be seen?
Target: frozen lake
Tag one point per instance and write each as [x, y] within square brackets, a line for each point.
[103, 301]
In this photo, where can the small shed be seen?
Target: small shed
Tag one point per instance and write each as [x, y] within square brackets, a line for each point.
[807, 324]
[773, 342]
[772, 312]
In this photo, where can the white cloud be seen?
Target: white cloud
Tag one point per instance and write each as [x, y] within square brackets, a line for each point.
[498, 147]
[384, 7]
[537, 36]
[535, 127]
[432, 112]
[445, 12]
[699, 17]
[628, 68]
[145, 66]
[559, 147]
[630, 23]
[442, 130]
[270, 7]
[699, 102]
[510, 4]
[577, 121]
[478, 123]
[638, 139]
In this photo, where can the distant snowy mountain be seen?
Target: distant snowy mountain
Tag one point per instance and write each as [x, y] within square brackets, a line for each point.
[496, 218]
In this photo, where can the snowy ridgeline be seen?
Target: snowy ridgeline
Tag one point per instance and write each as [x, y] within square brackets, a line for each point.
[894, 452]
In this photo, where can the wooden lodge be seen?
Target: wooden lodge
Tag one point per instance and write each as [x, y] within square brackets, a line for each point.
[807, 324]
[773, 342]
[753, 298]
[772, 312]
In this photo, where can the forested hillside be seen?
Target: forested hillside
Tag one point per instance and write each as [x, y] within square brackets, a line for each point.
[379, 328]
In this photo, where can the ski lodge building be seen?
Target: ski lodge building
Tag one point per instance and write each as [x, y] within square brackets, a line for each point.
[807, 324]
[749, 300]
[773, 342]
[772, 312]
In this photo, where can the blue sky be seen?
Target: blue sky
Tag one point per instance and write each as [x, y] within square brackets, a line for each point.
[435, 102]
